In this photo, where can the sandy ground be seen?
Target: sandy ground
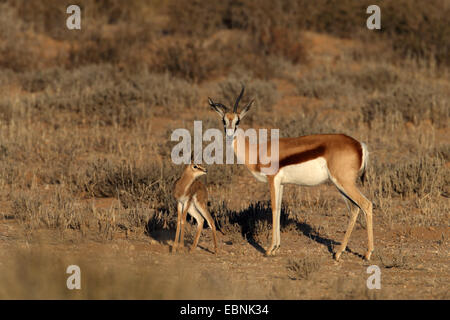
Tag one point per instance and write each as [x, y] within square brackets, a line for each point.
[413, 263]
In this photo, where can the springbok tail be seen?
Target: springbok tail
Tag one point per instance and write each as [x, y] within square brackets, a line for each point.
[365, 162]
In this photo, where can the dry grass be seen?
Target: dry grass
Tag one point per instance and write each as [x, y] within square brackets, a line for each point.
[398, 259]
[91, 119]
[37, 273]
[96, 99]
[263, 92]
[303, 268]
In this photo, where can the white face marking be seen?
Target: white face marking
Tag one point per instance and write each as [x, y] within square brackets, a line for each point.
[198, 173]
[235, 119]
[309, 173]
[197, 170]
[230, 124]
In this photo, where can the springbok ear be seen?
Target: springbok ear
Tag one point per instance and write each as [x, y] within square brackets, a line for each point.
[245, 110]
[217, 109]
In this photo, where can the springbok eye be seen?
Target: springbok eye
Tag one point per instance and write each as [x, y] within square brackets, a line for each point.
[195, 167]
[237, 122]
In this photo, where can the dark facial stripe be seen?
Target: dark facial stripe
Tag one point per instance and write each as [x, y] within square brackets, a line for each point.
[303, 156]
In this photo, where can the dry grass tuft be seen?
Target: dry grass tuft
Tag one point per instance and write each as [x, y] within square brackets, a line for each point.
[303, 269]
[399, 259]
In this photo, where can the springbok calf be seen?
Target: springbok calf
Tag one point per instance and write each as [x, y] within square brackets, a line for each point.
[306, 161]
[192, 198]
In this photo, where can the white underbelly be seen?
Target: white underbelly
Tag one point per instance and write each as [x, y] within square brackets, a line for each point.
[194, 213]
[309, 173]
[192, 210]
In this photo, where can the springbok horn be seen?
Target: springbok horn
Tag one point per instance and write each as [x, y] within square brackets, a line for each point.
[238, 98]
[216, 104]
[221, 106]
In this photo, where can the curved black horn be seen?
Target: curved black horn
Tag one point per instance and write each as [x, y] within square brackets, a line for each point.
[221, 106]
[216, 104]
[238, 98]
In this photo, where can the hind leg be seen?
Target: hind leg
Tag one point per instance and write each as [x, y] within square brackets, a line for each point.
[369, 223]
[351, 192]
[199, 219]
[214, 234]
[204, 212]
[353, 216]
[200, 222]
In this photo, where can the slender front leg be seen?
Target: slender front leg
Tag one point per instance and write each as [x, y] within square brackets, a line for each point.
[183, 220]
[279, 199]
[275, 197]
[177, 232]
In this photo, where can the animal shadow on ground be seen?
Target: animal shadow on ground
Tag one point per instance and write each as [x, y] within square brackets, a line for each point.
[257, 218]
[250, 222]
[162, 225]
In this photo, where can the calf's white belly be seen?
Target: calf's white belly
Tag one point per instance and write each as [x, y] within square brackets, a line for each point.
[192, 209]
[309, 173]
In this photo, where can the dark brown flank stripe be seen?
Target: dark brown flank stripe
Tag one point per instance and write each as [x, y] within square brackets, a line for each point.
[338, 141]
[303, 156]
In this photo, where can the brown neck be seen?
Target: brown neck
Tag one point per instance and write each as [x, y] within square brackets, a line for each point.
[183, 184]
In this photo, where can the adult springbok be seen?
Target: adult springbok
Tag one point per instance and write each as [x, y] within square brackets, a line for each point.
[306, 161]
